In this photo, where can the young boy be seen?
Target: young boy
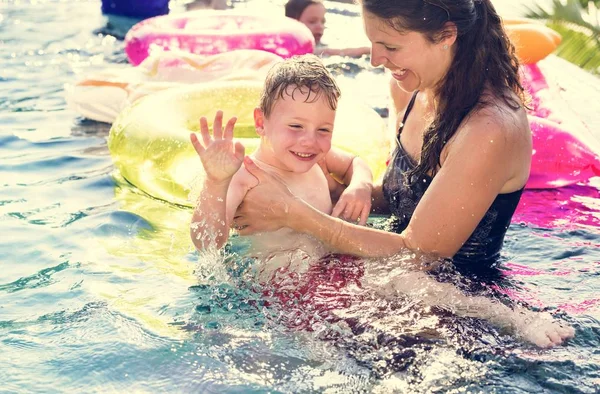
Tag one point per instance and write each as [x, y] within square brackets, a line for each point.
[295, 122]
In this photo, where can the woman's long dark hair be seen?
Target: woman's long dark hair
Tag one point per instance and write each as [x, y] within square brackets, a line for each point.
[484, 58]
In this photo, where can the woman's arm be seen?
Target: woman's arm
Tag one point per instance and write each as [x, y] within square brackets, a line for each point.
[538, 328]
[434, 229]
[270, 206]
[490, 154]
[485, 160]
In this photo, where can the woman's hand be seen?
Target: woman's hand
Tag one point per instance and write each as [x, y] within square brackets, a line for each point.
[220, 157]
[354, 204]
[265, 206]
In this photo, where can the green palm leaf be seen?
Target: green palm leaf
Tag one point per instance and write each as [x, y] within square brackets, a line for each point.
[578, 23]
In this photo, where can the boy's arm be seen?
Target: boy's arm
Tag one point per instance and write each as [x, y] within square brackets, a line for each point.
[354, 203]
[221, 159]
[214, 210]
[348, 168]
[208, 221]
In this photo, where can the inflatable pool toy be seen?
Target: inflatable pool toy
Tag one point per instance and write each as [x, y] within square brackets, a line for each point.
[559, 157]
[208, 32]
[533, 41]
[570, 207]
[150, 146]
[566, 150]
[103, 95]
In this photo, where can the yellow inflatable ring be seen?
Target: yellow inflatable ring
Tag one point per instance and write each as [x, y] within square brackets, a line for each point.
[533, 41]
[149, 140]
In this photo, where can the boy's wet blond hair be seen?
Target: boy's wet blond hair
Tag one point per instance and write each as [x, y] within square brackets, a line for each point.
[305, 72]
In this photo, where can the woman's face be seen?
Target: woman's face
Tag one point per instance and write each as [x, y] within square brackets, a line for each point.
[414, 61]
[313, 17]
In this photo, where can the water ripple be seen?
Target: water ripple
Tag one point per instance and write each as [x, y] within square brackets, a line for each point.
[42, 278]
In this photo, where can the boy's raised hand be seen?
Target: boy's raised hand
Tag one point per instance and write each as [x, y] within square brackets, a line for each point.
[220, 157]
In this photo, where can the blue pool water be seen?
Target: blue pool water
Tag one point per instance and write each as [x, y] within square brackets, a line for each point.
[101, 290]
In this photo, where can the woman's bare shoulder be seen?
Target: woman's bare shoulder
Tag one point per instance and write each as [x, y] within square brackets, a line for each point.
[497, 119]
[498, 135]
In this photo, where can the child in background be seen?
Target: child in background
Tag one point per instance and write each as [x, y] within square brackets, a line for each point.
[295, 122]
[312, 14]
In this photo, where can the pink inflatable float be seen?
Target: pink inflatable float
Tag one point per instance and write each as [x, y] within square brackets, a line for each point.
[565, 151]
[208, 32]
[569, 207]
[560, 158]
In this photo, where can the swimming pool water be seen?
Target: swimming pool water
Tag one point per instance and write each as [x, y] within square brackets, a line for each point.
[101, 290]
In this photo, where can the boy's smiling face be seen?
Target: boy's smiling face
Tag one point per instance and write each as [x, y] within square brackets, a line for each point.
[298, 132]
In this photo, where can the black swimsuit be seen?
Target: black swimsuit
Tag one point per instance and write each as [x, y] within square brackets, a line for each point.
[483, 246]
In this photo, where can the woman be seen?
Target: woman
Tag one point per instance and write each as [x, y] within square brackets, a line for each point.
[462, 156]
[463, 145]
[312, 14]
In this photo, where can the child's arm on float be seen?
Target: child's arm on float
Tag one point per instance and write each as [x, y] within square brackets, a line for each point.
[354, 203]
[350, 52]
[223, 189]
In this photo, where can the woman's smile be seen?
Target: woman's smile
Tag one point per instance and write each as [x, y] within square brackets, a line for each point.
[400, 75]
